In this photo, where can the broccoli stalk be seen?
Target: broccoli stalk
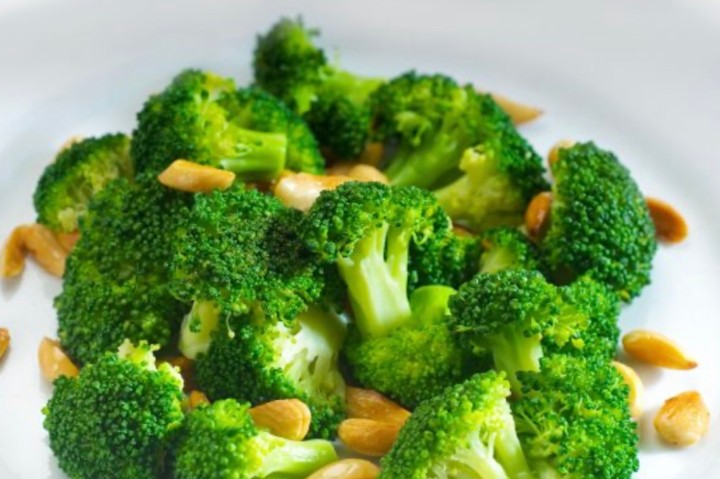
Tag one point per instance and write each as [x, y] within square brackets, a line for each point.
[467, 431]
[376, 275]
[221, 441]
[197, 328]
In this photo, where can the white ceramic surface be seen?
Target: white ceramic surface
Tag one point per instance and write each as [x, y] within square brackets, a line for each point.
[640, 78]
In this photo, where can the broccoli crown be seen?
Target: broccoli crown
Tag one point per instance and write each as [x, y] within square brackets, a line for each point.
[499, 176]
[367, 229]
[431, 120]
[573, 419]
[259, 110]
[287, 63]
[512, 314]
[467, 431]
[602, 307]
[238, 248]
[505, 248]
[201, 118]
[424, 356]
[449, 260]
[599, 222]
[340, 125]
[79, 172]
[221, 441]
[116, 281]
[257, 359]
[115, 419]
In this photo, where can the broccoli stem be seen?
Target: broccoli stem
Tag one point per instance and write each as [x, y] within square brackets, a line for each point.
[197, 328]
[510, 453]
[378, 287]
[426, 165]
[480, 461]
[257, 156]
[291, 459]
[514, 352]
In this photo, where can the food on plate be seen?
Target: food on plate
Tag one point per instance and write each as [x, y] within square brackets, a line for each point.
[322, 256]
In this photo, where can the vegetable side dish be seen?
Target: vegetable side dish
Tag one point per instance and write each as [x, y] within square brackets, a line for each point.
[255, 272]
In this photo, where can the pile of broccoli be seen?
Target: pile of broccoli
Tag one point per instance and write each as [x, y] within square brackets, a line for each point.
[425, 288]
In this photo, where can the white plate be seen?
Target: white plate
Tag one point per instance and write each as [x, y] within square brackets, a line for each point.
[637, 77]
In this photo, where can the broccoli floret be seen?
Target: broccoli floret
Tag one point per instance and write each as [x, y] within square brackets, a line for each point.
[449, 260]
[256, 359]
[574, 422]
[289, 64]
[429, 120]
[499, 176]
[367, 229]
[505, 248]
[512, 314]
[116, 419]
[466, 432]
[602, 307]
[414, 362]
[599, 223]
[116, 280]
[77, 175]
[221, 441]
[202, 118]
[239, 249]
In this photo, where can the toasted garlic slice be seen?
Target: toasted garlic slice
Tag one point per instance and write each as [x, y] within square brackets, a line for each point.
[347, 469]
[683, 420]
[4, 341]
[44, 247]
[635, 385]
[53, 361]
[300, 190]
[373, 154]
[68, 240]
[368, 173]
[369, 404]
[537, 215]
[187, 176]
[197, 398]
[656, 349]
[368, 436]
[288, 418]
[12, 261]
[555, 150]
[518, 112]
[670, 226]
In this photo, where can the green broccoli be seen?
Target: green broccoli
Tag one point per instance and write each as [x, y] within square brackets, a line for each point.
[430, 120]
[257, 359]
[367, 229]
[117, 418]
[414, 362]
[288, 64]
[513, 314]
[466, 432]
[505, 248]
[500, 175]
[116, 280]
[449, 260]
[260, 326]
[221, 441]
[203, 118]
[79, 172]
[573, 420]
[599, 223]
